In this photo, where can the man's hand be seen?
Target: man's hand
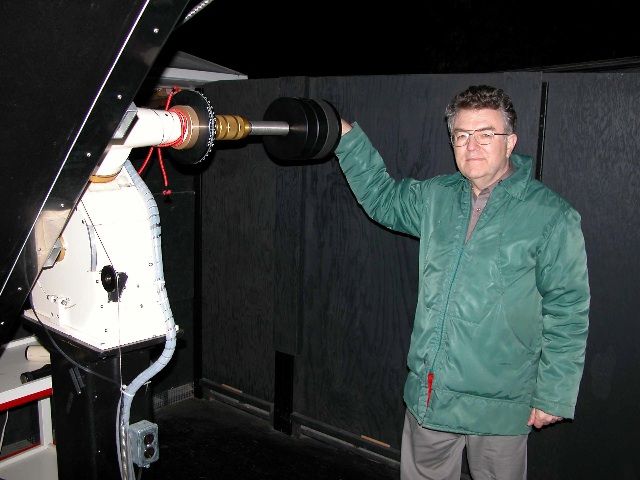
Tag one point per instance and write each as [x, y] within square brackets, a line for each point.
[346, 126]
[539, 419]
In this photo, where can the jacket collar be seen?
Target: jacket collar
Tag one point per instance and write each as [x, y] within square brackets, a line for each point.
[516, 184]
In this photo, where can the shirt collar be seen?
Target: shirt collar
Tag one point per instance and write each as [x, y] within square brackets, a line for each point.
[516, 185]
[488, 189]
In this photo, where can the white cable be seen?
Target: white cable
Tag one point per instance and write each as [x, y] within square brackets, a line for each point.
[128, 392]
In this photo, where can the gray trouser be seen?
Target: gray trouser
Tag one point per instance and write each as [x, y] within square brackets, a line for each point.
[433, 455]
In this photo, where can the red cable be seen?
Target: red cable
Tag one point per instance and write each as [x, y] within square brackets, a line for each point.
[146, 161]
[183, 132]
[183, 129]
[173, 91]
[167, 191]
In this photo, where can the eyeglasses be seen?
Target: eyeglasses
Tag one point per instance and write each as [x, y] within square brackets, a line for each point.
[482, 137]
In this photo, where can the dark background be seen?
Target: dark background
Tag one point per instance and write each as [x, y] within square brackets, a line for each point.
[265, 261]
[291, 267]
[286, 249]
[355, 37]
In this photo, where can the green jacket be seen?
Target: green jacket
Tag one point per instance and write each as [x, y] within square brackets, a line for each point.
[501, 321]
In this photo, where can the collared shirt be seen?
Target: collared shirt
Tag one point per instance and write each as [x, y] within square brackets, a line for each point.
[478, 202]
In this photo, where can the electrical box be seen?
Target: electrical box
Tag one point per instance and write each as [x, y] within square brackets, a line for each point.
[143, 443]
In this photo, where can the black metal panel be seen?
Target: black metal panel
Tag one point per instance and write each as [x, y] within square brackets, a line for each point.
[591, 158]
[360, 280]
[69, 72]
[84, 407]
[283, 392]
[177, 219]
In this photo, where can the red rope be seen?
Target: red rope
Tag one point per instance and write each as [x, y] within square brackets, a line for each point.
[146, 162]
[183, 129]
[183, 132]
[173, 91]
[167, 191]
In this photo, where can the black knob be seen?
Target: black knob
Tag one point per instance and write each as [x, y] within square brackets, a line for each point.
[108, 278]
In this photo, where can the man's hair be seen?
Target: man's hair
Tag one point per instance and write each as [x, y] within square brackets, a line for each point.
[482, 96]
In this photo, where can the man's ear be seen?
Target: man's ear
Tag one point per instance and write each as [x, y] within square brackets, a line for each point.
[511, 143]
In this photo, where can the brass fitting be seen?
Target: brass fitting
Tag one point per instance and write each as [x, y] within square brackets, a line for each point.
[232, 127]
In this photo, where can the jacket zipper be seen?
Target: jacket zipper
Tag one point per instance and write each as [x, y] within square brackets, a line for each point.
[431, 374]
[430, 378]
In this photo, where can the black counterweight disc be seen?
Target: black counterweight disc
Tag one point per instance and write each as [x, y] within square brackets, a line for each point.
[302, 120]
[333, 129]
[319, 128]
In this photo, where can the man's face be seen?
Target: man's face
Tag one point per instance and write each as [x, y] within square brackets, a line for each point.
[483, 164]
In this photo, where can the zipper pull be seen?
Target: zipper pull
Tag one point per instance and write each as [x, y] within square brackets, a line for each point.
[430, 378]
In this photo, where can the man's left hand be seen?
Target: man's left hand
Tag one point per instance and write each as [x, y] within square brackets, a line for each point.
[539, 419]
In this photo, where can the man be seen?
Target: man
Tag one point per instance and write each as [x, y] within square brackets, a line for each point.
[501, 323]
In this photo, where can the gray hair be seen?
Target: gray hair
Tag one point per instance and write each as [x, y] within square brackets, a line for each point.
[482, 96]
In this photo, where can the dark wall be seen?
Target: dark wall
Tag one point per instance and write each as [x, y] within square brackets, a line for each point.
[243, 287]
[591, 158]
[292, 264]
[360, 279]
